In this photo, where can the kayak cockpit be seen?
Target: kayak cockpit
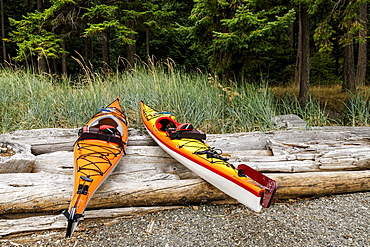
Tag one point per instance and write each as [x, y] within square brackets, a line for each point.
[107, 120]
[165, 123]
[104, 132]
[174, 130]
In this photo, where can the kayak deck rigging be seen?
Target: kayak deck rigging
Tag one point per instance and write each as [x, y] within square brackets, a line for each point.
[90, 158]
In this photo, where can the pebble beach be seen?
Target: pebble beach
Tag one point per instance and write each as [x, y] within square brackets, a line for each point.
[336, 220]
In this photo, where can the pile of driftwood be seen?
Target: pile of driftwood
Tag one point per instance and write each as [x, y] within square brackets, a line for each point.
[315, 162]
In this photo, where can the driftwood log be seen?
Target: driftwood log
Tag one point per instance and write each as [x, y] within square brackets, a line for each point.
[16, 157]
[315, 162]
[320, 161]
[14, 224]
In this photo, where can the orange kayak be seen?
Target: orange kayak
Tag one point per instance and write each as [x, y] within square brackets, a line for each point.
[100, 146]
[187, 145]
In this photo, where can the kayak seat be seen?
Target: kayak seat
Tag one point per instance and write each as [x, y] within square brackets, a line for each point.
[108, 129]
[185, 127]
[185, 130]
[163, 123]
[106, 120]
[100, 134]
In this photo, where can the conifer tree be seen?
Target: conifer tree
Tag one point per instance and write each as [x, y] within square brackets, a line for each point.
[240, 36]
[343, 17]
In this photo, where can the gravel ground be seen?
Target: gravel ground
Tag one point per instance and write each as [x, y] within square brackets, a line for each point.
[339, 220]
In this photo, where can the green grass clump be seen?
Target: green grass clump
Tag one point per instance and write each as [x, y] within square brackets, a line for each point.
[313, 113]
[357, 109]
[31, 101]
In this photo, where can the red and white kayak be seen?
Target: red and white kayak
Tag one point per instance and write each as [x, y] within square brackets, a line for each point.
[186, 145]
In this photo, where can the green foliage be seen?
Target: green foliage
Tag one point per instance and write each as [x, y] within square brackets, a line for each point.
[121, 31]
[34, 33]
[101, 11]
[148, 15]
[323, 70]
[41, 33]
[324, 37]
[174, 42]
[33, 38]
[240, 37]
[242, 40]
[106, 18]
[341, 23]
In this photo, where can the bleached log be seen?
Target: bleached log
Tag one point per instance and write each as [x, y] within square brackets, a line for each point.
[341, 156]
[321, 183]
[313, 162]
[54, 139]
[139, 159]
[150, 162]
[16, 157]
[11, 225]
[285, 166]
[41, 192]
[274, 151]
[149, 176]
[153, 159]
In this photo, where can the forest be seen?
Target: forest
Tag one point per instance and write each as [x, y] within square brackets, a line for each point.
[305, 42]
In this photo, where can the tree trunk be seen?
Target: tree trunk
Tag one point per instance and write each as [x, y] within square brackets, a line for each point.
[349, 68]
[42, 63]
[291, 36]
[106, 62]
[41, 59]
[3, 31]
[147, 43]
[297, 72]
[131, 52]
[87, 49]
[55, 68]
[303, 57]
[131, 48]
[362, 49]
[64, 59]
[89, 53]
[39, 5]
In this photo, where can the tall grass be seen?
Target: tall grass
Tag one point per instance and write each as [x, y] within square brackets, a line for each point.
[313, 113]
[30, 101]
[251, 108]
[357, 111]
